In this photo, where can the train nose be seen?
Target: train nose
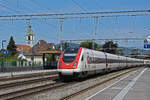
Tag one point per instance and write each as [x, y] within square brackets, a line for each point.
[67, 72]
[66, 66]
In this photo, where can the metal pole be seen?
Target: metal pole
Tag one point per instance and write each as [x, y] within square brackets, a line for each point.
[2, 45]
[127, 47]
[60, 32]
[95, 30]
[2, 64]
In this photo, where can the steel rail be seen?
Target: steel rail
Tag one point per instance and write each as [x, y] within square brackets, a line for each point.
[35, 90]
[26, 82]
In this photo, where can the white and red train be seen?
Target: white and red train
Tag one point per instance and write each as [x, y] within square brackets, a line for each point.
[81, 62]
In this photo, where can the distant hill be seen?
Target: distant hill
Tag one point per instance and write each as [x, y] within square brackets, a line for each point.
[125, 49]
[130, 49]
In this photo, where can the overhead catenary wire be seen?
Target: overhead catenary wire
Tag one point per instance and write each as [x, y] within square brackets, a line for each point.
[39, 5]
[76, 15]
[18, 6]
[72, 17]
[80, 13]
[79, 5]
[9, 9]
[116, 39]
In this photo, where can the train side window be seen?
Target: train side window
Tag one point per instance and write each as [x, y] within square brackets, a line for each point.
[82, 58]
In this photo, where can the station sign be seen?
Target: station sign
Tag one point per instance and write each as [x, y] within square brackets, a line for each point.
[5, 52]
[146, 46]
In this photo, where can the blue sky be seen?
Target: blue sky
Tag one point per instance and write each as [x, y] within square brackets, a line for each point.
[121, 27]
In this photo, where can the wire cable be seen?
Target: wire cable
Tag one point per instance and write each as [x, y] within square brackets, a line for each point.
[18, 6]
[39, 5]
[79, 5]
[10, 9]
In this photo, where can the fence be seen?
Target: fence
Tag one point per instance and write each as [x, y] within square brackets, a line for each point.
[17, 66]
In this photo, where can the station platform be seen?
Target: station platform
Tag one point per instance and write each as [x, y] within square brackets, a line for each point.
[131, 87]
[10, 74]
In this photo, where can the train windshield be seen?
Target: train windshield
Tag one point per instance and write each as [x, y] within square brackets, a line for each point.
[70, 54]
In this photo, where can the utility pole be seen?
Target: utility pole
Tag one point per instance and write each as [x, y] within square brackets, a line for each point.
[95, 30]
[60, 32]
[2, 63]
[127, 48]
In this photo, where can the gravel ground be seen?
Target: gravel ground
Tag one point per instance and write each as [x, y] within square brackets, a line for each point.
[62, 92]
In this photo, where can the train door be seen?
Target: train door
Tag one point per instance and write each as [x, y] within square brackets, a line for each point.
[93, 61]
[87, 61]
[83, 62]
[106, 61]
[119, 63]
[84, 65]
[127, 62]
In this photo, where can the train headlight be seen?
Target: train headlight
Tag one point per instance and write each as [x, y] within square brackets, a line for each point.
[60, 64]
[75, 65]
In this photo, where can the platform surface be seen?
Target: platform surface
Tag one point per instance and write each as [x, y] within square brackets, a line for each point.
[7, 74]
[132, 87]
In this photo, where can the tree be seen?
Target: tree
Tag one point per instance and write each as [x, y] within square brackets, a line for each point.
[65, 45]
[89, 45]
[120, 52]
[110, 47]
[135, 53]
[11, 46]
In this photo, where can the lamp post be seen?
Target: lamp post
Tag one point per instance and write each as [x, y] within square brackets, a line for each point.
[3, 43]
[2, 64]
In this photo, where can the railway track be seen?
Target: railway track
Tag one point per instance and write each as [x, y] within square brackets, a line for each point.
[13, 85]
[26, 82]
[31, 91]
[17, 95]
[96, 85]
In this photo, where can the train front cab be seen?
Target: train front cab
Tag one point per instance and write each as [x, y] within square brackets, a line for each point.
[69, 62]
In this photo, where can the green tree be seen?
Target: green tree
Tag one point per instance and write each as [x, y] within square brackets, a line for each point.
[89, 45]
[110, 47]
[65, 45]
[11, 46]
[120, 52]
[135, 53]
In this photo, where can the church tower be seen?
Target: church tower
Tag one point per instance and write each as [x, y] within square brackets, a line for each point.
[30, 36]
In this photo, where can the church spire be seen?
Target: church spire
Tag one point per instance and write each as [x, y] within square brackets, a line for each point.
[30, 31]
[30, 36]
